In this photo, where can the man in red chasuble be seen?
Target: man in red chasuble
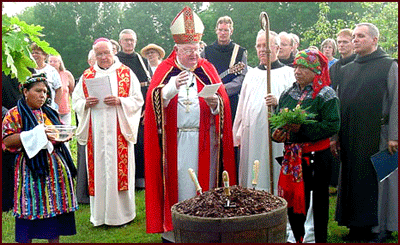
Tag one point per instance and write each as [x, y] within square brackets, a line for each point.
[182, 129]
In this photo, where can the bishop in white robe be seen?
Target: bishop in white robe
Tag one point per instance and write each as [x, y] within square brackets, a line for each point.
[111, 134]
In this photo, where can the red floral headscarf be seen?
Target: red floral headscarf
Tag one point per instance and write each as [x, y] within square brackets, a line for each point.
[317, 63]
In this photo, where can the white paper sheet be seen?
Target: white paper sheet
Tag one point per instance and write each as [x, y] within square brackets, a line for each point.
[209, 90]
[100, 88]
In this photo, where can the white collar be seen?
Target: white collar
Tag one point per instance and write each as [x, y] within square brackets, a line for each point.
[110, 69]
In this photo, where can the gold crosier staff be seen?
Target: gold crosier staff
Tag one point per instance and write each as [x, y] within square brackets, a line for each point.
[264, 21]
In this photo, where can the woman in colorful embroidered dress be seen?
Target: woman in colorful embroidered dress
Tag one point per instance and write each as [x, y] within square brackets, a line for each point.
[44, 196]
[307, 156]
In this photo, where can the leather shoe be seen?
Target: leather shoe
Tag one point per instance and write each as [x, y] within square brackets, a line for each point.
[359, 235]
[381, 237]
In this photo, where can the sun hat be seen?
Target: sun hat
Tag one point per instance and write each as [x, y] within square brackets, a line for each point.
[159, 49]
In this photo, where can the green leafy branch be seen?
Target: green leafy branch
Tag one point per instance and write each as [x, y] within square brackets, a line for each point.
[16, 38]
[295, 116]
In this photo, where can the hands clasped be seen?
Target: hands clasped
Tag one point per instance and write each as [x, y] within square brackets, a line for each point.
[91, 101]
[109, 100]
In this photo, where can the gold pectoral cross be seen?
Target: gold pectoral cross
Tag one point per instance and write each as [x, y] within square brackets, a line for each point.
[187, 102]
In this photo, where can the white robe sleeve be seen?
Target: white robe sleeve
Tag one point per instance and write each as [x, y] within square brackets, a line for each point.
[83, 114]
[169, 91]
[237, 124]
[129, 111]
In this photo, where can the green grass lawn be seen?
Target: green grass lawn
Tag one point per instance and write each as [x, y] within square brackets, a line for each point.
[135, 231]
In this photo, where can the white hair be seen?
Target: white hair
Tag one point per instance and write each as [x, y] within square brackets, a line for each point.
[109, 45]
[295, 37]
[91, 54]
[291, 38]
[127, 31]
[277, 39]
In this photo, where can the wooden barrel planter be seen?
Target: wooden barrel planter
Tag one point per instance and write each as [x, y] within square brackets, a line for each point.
[269, 227]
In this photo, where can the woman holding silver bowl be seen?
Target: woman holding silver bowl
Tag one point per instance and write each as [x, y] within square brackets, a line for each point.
[44, 195]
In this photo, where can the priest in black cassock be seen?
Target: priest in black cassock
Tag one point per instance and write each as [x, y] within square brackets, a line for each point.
[140, 66]
[368, 93]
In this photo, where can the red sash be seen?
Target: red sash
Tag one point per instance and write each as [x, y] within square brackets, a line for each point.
[123, 77]
[290, 184]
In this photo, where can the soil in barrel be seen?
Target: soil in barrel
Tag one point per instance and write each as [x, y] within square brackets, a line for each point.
[213, 203]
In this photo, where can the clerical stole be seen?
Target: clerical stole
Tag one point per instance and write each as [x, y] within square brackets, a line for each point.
[123, 78]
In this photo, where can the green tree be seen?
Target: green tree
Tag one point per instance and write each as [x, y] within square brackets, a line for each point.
[78, 24]
[385, 16]
[151, 21]
[71, 27]
[16, 38]
[323, 27]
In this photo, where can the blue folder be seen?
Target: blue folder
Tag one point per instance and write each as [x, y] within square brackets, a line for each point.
[385, 163]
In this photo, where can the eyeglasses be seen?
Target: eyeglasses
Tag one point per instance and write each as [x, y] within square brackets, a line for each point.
[99, 55]
[128, 40]
[264, 46]
[190, 51]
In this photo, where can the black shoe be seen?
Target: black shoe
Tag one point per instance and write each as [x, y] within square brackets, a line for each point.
[381, 237]
[165, 240]
[357, 234]
[350, 237]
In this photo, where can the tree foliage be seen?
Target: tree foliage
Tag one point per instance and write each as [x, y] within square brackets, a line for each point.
[71, 27]
[324, 28]
[16, 38]
[385, 17]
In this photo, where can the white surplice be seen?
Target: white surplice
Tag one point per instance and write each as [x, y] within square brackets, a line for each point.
[110, 206]
[188, 123]
[250, 128]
